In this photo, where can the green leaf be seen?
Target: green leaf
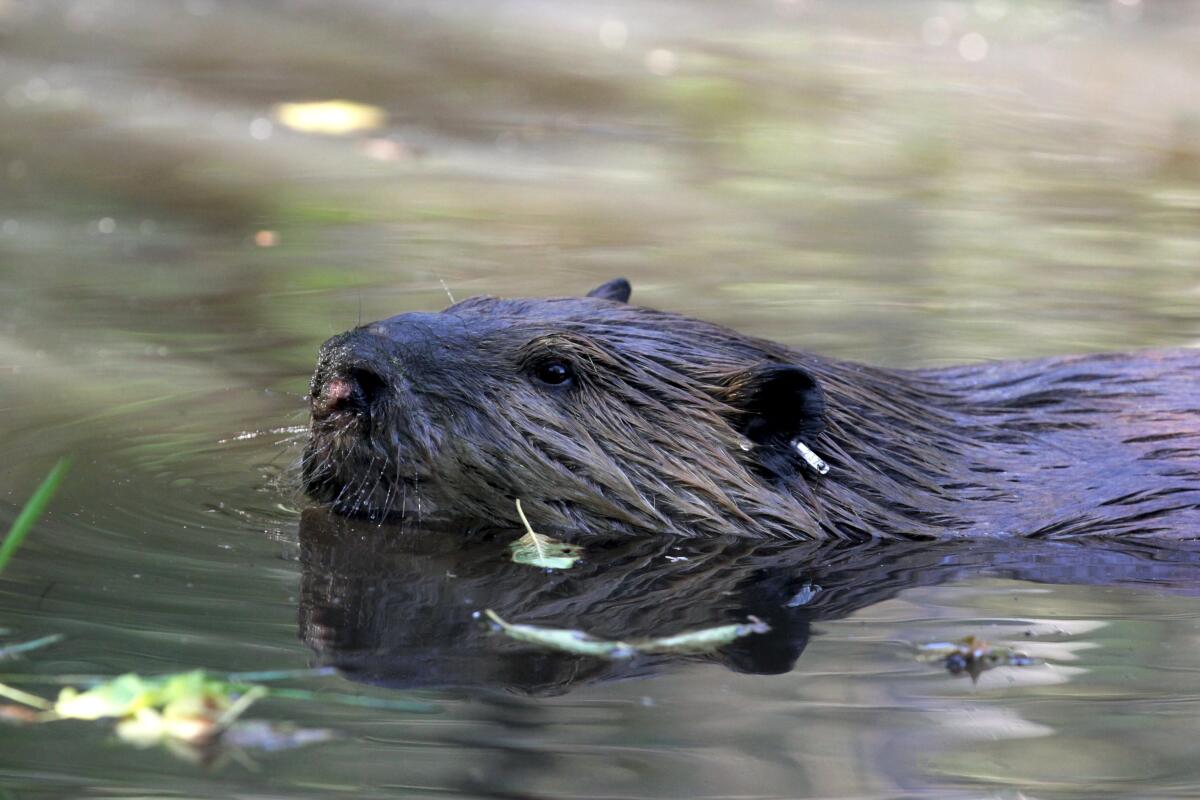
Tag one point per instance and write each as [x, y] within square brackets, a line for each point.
[119, 697]
[537, 550]
[126, 695]
[149, 727]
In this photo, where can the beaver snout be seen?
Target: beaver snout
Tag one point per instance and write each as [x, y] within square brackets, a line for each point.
[351, 390]
[348, 378]
[331, 397]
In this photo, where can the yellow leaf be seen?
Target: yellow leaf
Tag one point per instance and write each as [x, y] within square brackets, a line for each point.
[330, 117]
[542, 551]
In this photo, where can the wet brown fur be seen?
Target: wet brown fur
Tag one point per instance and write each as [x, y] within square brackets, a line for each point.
[648, 438]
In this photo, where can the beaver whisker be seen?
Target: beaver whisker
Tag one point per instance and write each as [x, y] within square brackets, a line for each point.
[416, 484]
[337, 500]
[362, 494]
[365, 496]
[391, 489]
[355, 492]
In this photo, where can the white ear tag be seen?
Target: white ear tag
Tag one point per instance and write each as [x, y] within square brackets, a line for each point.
[814, 461]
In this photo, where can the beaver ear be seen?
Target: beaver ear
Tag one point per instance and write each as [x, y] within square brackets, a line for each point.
[617, 290]
[781, 408]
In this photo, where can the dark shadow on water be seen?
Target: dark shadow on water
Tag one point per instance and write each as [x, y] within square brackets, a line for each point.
[396, 606]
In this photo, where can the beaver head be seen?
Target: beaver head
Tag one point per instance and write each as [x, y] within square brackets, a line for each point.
[606, 417]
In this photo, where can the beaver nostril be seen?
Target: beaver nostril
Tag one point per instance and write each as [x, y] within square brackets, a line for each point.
[369, 383]
[353, 391]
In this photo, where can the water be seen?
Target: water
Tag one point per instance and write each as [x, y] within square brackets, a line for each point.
[861, 179]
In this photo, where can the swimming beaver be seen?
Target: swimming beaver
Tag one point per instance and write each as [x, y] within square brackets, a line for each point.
[604, 417]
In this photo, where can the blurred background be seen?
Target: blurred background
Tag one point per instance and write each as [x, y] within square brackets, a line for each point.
[901, 182]
[195, 193]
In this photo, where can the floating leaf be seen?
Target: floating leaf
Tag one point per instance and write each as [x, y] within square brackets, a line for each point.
[581, 643]
[973, 656]
[126, 695]
[542, 551]
[149, 727]
[704, 640]
[569, 641]
[191, 713]
[120, 697]
[188, 707]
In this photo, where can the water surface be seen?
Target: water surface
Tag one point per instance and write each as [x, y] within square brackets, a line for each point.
[864, 179]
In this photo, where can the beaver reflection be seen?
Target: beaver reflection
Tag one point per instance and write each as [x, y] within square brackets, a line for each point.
[395, 607]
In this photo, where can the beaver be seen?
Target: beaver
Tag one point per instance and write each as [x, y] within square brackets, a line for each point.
[604, 417]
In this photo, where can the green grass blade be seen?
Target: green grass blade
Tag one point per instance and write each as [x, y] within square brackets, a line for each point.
[365, 701]
[264, 676]
[32, 510]
[25, 647]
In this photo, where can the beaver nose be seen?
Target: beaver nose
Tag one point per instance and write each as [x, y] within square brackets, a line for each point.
[351, 390]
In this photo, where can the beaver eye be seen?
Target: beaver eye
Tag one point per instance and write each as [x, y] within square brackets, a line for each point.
[553, 373]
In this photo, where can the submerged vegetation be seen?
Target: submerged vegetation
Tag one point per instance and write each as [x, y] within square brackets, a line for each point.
[189, 712]
[190, 707]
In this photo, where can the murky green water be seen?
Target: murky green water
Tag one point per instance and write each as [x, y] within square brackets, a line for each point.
[907, 183]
